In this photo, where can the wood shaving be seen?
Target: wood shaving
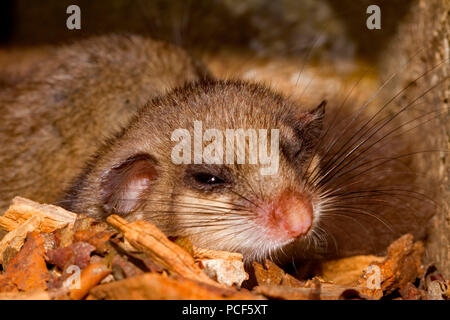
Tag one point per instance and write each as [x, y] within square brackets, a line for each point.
[54, 254]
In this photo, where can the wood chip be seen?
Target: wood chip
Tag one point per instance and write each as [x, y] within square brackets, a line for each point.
[90, 277]
[225, 267]
[331, 291]
[283, 292]
[227, 272]
[125, 248]
[270, 274]
[402, 265]
[347, 271]
[437, 288]
[22, 209]
[202, 253]
[97, 239]
[153, 286]
[148, 238]
[318, 291]
[30, 295]
[78, 253]
[27, 270]
[15, 239]
[145, 264]
[274, 283]
[122, 268]
[410, 292]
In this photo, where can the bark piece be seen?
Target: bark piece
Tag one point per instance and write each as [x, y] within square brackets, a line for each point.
[64, 236]
[22, 209]
[274, 283]
[317, 291]
[90, 277]
[27, 270]
[15, 239]
[82, 253]
[139, 257]
[227, 272]
[331, 291]
[437, 290]
[78, 254]
[283, 292]
[30, 295]
[148, 238]
[122, 268]
[152, 286]
[202, 253]
[84, 223]
[410, 292]
[98, 239]
[347, 271]
[402, 265]
[225, 267]
[436, 287]
[270, 274]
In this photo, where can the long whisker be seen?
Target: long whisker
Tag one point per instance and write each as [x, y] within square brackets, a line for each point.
[371, 135]
[342, 150]
[383, 85]
[331, 125]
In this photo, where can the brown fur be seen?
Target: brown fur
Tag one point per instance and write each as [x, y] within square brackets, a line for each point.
[84, 105]
[53, 122]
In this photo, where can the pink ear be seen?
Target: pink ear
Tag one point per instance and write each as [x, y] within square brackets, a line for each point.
[122, 186]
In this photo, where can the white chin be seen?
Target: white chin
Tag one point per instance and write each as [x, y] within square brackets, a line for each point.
[268, 250]
[252, 246]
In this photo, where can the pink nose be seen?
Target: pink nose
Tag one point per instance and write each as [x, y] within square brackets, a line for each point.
[290, 216]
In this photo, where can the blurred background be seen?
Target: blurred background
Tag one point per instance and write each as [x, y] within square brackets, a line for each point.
[335, 28]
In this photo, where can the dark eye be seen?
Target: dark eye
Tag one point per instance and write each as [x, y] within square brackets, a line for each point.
[208, 179]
